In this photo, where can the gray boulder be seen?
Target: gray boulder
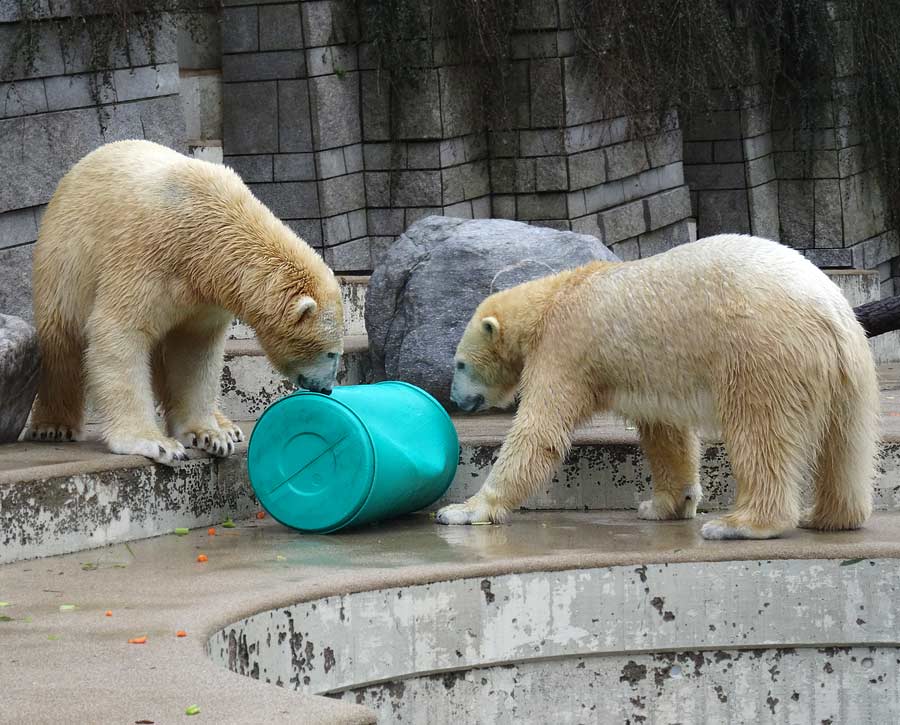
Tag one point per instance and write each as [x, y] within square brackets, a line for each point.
[20, 364]
[434, 276]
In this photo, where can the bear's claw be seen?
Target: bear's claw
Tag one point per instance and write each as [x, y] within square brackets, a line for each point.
[167, 451]
[219, 443]
[470, 512]
[52, 433]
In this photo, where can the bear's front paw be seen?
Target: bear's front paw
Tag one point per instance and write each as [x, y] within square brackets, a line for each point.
[664, 508]
[725, 528]
[216, 442]
[162, 450]
[235, 434]
[48, 432]
[473, 511]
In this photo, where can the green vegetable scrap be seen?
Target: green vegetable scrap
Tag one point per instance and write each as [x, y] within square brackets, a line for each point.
[192, 710]
[228, 523]
[182, 532]
[4, 618]
[66, 607]
[5, 604]
[53, 637]
[850, 562]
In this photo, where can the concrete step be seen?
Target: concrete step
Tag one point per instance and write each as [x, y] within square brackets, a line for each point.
[432, 625]
[57, 498]
[353, 290]
[862, 286]
[250, 383]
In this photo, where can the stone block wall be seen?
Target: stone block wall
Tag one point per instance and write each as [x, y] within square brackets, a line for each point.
[350, 160]
[48, 120]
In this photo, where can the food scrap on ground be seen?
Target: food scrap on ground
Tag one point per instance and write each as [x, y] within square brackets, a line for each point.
[109, 612]
[137, 640]
[192, 710]
[66, 607]
[202, 558]
[4, 604]
[211, 531]
[228, 523]
[181, 531]
[260, 514]
[181, 633]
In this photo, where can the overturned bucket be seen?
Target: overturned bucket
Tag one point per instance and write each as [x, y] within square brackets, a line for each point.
[319, 463]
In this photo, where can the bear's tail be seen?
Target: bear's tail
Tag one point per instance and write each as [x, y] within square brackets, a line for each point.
[845, 463]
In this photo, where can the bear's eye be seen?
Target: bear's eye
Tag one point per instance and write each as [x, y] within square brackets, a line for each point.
[460, 365]
[332, 355]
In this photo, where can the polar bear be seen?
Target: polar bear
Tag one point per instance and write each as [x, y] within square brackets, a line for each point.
[730, 333]
[143, 258]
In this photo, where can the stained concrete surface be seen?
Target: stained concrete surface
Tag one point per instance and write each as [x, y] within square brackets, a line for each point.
[76, 665]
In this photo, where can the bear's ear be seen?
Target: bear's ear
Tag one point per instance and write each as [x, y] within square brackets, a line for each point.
[306, 305]
[490, 326]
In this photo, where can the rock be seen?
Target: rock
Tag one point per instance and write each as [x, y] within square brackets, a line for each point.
[20, 364]
[432, 278]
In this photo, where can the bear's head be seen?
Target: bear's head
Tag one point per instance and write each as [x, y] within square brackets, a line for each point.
[489, 358]
[304, 339]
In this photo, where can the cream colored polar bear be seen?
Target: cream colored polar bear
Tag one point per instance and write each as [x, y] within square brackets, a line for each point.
[730, 333]
[143, 259]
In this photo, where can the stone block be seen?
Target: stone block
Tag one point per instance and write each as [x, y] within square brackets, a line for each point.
[587, 169]
[155, 119]
[715, 176]
[550, 173]
[535, 14]
[714, 126]
[795, 205]
[503, 144]
[146, 82]
[240, 29]
[623, 222]
[352, 256]
[549, 142]
[576, 204]
[863, 206]
[603, 196]
[378, 190]
[465, 181]
[22, 98]
[47, 62]
[583, 102]
[534, 44]
[628, 250]
[416, 108]
[851, 160]
[589, 136]
[763, 206]
[589, 224]
[335, 110]
[337, 229]
[329, 22]
[331, 163]
[828, 218]
[625, 159]
[376, 100]
[279, 27]
[662, 240]
[830, 258]
[289, 199]
[278, 65]
[74, 91]
[723, 212]
[671, 175]
[201, 102]
[481, 208]
[424, 155]
[756, 120]
[760, 171]
[20, 365]
[255, 168]
[416, 188]
[727, 151]
[378, 156]
[331, 59]
[309, 230]
[668, 207]
[566, 43]
[665, 148]
[201, 49]
[294, 167]
[757, 146]
[341, 194]
[250, 115]
[698, 152]
[384, 222]
[165, 47]
[294, 126]
[353, 158]
[875, 251]
[541, 206]
[546, 92]
[460, 110]
[15, 281]
[18, 227]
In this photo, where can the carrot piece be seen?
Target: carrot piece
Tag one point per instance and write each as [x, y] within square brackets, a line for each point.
[202, 558]
[181, 633]
[260, 514]
[138, 640]
[211, 531]
[109, 612]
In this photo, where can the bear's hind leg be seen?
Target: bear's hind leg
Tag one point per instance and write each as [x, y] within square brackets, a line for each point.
[674, 456]
[769, 461]
[192, 358]
[59, 408]
[117, 363]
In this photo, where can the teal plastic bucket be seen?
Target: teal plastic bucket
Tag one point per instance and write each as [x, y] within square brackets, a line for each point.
[319, 463]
